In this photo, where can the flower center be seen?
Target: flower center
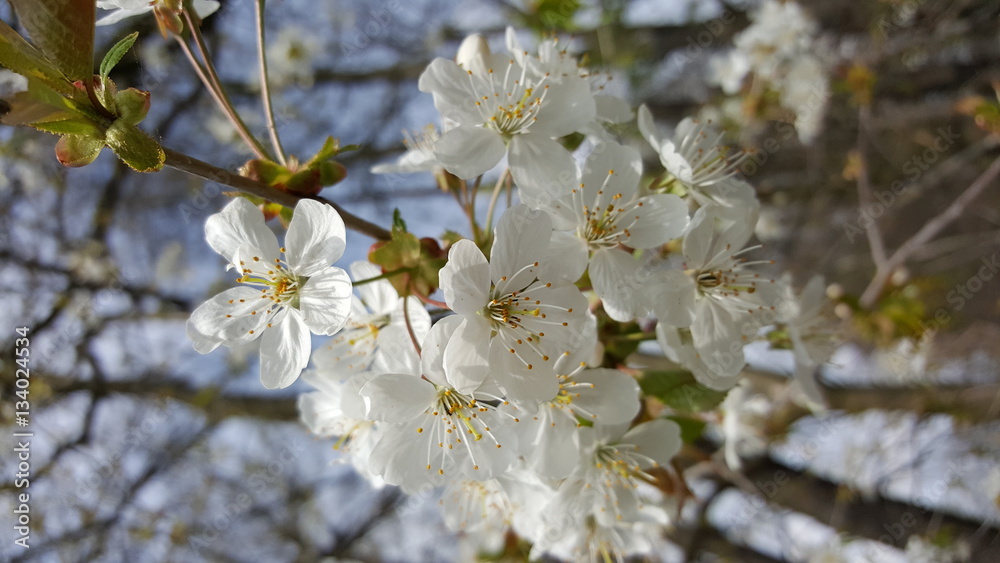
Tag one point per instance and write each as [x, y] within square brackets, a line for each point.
[511, 104]
[276, 281]
[607, 219]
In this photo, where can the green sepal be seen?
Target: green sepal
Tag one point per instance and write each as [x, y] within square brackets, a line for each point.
[134, 147]
[420, 259]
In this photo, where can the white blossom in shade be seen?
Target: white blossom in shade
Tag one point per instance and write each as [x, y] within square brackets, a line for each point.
[121, 9]
[419, 155]
[696, 158]
[606, 213]
[716, 295]
[517, 314]
[783, 52]
[431, 431]
[502, 108]
[322, 414]
[729, 69]
[744, 416]
[548, 439]
[279, 299]
[602, 543]
[377, 305]
[600, 500]
[290, 57]
[805, 90]
[812, 333]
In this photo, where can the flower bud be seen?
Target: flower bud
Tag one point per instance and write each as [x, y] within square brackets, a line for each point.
[77, 150]
[132, 105]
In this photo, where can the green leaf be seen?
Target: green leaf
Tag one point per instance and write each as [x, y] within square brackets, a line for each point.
[678, 390]
[116, 53]
[134, 147]
[691, 428]
[63, 30]
[397, 220]
[74, 126]
[21, 57]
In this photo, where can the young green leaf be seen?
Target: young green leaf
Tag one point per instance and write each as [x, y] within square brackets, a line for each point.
[116, 53]
[63, 30]
[21, 57]
[678, 390]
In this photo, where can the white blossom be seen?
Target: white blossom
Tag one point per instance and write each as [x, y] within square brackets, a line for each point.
[715, 296]
[375, 307]
[121, 9]
[284, 293]
[518, 316]
[432, 430]
[500, 107]
[606, 213]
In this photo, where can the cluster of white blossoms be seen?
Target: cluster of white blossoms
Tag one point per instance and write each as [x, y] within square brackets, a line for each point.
[506, 397]
[781, 49]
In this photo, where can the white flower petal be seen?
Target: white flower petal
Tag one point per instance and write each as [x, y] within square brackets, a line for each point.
[316, 238]
[526, 388]
[612, 109]
[227, 319]
[465, 279]
[468, 151]
[618, 280]
[549, 442]
[396, 353]
[658, 439]
[567, 258]
[610, 395]
[717, 337]
[240, 223]
[568, 106]
[626, 164]
[393, 397]
[450, 85]
[671, 296]
[542, 169]
[660, 219]
[465, 356]
[648, 128]
[284, 351]
[522, 238]
[379, 296]
[325, 301]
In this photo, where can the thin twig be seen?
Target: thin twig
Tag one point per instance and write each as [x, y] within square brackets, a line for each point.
[265, 89]
[211, 79]
[493, 200]
[865, 197]
[205, 170]
[928, 232]
[409, 325]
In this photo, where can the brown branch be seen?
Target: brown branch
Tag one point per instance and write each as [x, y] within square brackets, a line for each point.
[928, 232]
[207, 171]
